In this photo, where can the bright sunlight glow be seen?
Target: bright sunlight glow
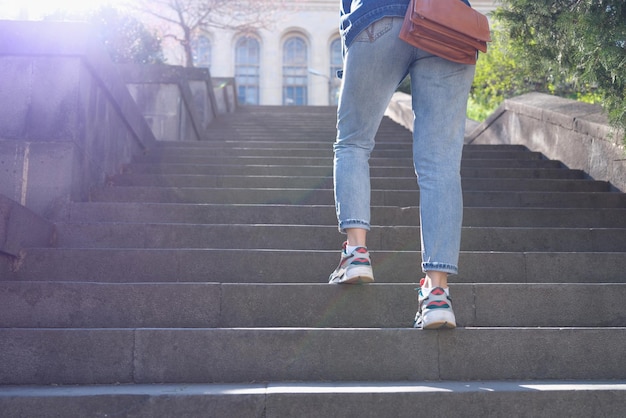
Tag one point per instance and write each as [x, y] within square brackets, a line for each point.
[38, 9]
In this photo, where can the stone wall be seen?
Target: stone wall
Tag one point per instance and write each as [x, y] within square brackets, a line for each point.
[177, 102]
[225, 93]
[67, 121]
[21, 228]
[577, 134]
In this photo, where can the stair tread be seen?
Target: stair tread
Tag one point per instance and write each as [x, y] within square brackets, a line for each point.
[318, 182]
[285, 266]
[272, 388]
[547, 398]
[325, 214]
[320, 237]
[389, 305]
[278, 354]
[379, 197]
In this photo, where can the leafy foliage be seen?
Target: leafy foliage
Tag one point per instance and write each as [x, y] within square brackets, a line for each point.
[579, 44]
[126, 39]
[499, 75]
[505, 72]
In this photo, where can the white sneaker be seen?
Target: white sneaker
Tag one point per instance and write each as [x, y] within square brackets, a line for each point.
[434, 309]
[353, 268]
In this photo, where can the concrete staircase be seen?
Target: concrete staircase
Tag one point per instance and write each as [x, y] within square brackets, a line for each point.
[194, 284]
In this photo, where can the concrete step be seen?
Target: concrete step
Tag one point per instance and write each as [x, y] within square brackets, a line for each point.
[390, 144]
[515, 173]
[320, 150]
[242, 305]
[317, 157]
[289, 266]
[326, 171]
[328, 161]
[320, 237]
[387, 183]
[299, 128]
[222, 355]
[574, 399]
[325, 215]
[401, 198]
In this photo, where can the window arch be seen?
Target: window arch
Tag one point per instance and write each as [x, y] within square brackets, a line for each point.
[202, 51]
[247, 65]
[336, 64]
[295, 71]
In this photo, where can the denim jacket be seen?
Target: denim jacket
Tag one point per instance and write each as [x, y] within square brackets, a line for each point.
[356, 15]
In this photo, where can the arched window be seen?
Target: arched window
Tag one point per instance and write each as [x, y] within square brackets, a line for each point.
[247, 63]
[336, 64]
[295, 72]
[201, 48]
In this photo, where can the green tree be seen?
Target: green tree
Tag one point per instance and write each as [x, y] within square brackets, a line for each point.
[503, 73]
[499, 75]
[580, 41]
[126, 38]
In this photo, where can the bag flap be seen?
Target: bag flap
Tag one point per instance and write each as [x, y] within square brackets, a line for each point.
[455, 15]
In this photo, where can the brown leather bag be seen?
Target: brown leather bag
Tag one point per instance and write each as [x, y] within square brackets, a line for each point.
[447, 28]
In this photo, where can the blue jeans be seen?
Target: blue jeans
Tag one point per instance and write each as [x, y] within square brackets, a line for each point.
[374, 64]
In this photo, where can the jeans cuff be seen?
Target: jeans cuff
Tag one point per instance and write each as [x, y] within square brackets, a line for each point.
[446, 268]
[353, 223]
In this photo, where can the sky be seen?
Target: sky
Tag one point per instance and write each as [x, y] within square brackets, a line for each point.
[37, 9]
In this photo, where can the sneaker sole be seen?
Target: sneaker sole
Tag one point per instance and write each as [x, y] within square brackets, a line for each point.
[356, 280]
[440, 325]
[441, 319]
[358, 275]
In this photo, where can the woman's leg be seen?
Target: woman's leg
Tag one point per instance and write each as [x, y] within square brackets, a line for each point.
[439, 90]
[374, 65]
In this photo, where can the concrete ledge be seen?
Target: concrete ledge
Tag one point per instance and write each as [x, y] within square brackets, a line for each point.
[20, 227]
[400, 110]
[177, 102]
[65, 41]
[60, 90]
[225, 91]
[575, 133]
[345, 399]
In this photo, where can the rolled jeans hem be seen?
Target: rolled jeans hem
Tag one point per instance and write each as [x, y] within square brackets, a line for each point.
[446, 268]
[353, 223]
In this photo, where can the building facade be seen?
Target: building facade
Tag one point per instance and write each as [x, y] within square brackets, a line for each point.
[294, 63]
